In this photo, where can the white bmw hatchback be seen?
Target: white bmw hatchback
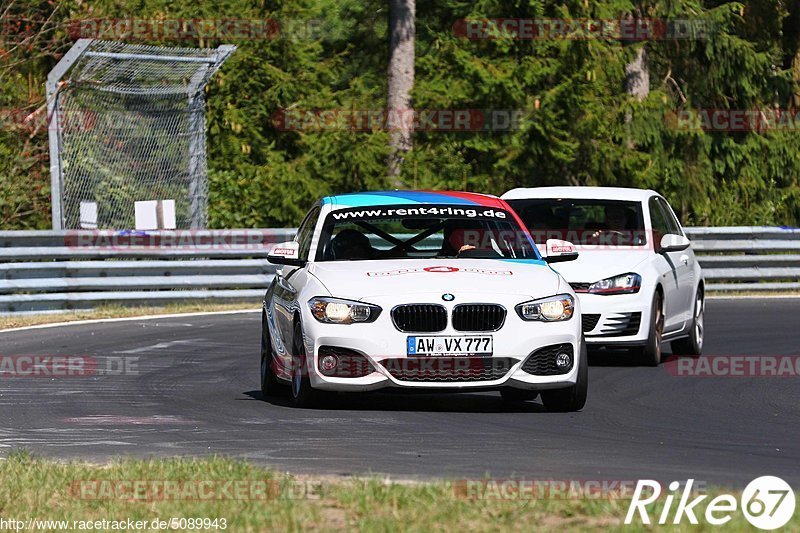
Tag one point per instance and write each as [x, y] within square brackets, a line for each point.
[637, 277]
[421, 290]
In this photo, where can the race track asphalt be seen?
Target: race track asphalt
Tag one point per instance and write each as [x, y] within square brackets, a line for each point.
[192, 388]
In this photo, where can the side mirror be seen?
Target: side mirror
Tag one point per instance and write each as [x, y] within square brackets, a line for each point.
[559, 251]
[286, 253]
[673, 243]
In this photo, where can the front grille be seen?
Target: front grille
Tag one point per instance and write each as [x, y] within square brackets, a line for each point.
[588, 322]
[478, 317]
[620, 325]
[448, 369]
[420, 318]
[542, 362]
[580, 287]
[350, 364]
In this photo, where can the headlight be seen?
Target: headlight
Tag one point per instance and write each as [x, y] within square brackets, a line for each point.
[552, 309]
[338, 311]
[624, 284]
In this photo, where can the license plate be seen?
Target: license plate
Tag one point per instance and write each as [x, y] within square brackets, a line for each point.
[445, 345]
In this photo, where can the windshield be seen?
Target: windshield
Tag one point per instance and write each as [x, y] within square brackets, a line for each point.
[423, 232]
[584, 221]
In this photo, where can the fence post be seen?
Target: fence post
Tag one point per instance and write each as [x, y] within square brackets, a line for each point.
[54, 128]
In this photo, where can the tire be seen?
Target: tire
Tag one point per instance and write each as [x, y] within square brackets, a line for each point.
[303, 395]
[270, 386]
[693, 344]
[572, 398]
[650, 353]
[510, 395]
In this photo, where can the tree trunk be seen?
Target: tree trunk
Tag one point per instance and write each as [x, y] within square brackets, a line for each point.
[637, 75]
[401, 82]
[791, 47]
[637, 83]
[796, 78]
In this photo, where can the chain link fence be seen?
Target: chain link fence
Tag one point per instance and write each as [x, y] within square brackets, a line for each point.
[128, 124]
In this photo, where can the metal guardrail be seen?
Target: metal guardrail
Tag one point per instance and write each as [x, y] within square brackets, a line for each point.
[748, 258]
[60, 270]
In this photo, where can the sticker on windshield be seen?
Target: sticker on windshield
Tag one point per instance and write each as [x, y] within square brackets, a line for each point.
[418, 211]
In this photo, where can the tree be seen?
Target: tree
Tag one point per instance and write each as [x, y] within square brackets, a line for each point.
[402, 29]
[581, 119]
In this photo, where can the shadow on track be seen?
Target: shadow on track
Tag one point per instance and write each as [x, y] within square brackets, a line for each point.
[465, 402]
[606, 357]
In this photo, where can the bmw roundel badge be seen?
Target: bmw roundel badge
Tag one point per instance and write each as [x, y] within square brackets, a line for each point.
[447, 297]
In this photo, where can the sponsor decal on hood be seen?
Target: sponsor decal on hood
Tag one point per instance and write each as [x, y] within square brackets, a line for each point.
[441, 269]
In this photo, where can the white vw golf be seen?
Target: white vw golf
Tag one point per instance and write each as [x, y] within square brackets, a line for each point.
[421, 290]
[637, 277]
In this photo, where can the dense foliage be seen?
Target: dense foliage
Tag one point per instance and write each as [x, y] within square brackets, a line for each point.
[580, 126]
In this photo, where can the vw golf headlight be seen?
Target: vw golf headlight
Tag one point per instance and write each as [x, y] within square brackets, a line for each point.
[624, 284]
[338, 311]
[553, 309]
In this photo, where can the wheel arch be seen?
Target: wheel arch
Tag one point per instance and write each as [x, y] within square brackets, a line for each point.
[660, 290]
[296, 321]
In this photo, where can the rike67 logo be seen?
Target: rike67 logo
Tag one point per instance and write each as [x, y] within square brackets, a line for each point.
[768, 503]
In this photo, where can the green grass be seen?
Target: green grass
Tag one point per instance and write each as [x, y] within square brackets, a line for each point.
[767, 294]
[36, 488]
[118, 311]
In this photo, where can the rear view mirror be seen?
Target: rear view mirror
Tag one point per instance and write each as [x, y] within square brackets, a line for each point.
[673, 243]
[286, 253]
[559, 251]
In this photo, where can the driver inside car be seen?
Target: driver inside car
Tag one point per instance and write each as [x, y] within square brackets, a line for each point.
[469, 239]
[351, 244]
[456, 237]
[616, 221]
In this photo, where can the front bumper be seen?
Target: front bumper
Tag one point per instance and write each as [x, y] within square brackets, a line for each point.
[620, 319]
[385, 349]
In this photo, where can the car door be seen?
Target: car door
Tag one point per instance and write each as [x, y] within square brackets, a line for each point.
[667, 266]
[290, 279]
[685, 262]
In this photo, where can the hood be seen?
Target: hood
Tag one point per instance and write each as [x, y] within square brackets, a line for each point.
[359, 280]
[593, 264]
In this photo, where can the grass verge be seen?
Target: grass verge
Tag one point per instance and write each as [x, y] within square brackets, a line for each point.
[763, 294]
[33, 488]
[118, 311]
